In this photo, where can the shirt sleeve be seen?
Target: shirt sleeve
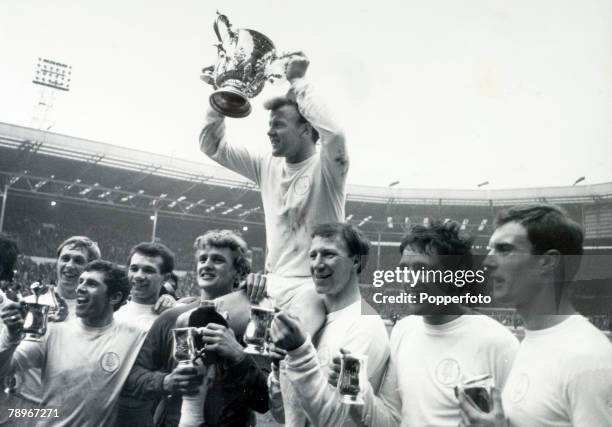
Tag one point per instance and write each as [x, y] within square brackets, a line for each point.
[590, 398]
[384, 408]
[275, 398]
[319, 400]
[146, 377]
[502, 360]
[235, 158]
[316, 397]
[21, 356]
[333, 154]
[253, 379]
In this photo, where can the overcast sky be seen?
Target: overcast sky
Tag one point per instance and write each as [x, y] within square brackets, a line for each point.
[433, 93]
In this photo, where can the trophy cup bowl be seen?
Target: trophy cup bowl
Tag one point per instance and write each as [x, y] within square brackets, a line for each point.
[184, 351]
[353, 374]
[257, 331]
[240, 71]
[35, 322]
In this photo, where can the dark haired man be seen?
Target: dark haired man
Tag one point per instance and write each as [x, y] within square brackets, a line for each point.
[338, 253]
[562, 374]
[149, 264]
[234, 385]
[439, 347]
[81, 386]
[299, 188]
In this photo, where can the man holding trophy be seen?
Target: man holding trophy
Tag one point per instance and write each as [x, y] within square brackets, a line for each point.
[80, 386]
[300, 188]
[231, 385]
[73, 254]
[338, 254]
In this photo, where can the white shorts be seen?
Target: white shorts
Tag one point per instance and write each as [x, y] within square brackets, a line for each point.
[283, 289]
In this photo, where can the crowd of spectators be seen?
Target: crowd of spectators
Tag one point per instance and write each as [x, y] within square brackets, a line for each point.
[39, 232]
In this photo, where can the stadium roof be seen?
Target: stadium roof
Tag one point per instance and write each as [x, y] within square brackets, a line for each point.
[31, 142]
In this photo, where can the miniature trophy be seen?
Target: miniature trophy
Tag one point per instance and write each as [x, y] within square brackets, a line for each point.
[35, 321]
[184, 351]
[257, 332]
[353, 377]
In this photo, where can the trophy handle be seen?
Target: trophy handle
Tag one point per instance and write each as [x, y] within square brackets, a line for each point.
[277, 58]
[208, 75]
[226, 26]
[270, 75]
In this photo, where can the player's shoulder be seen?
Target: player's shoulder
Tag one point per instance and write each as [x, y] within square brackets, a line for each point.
[167, 319]
[68, 326]
[406, 325]
[170, 315]
[487, 323]
[489, 329]
[371, 322]
[588, 343]
[122, 328]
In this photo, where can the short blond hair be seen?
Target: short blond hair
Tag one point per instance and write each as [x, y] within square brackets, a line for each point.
[227, 239]
[277, 102]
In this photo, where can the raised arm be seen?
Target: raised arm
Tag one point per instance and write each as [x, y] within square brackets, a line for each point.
[15, 354]
[334, 157]
[215, 146]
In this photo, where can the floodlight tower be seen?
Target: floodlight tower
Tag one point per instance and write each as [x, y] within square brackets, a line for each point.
[51, 76]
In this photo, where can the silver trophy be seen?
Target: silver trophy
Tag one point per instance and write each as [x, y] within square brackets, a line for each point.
[257, 331]
[35, 322]
[184, 351]
[353, 377]
[241, 69]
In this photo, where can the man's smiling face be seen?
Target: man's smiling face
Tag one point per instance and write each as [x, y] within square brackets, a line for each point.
[145, 277]
[70, 264]
[330, 264]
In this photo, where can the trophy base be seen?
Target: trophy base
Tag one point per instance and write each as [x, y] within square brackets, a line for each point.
[258, 350]
[230, 102]
[351, 400]
[31, 337]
